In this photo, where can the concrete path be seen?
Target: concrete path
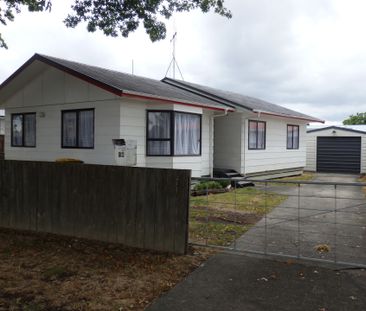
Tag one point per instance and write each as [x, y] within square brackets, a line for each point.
[320, 216]
[241, 283]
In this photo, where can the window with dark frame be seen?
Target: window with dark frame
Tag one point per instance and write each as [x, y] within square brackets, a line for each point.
[23, 129]
[173, 133]
[78, 129]
[293, 136]
[256, 135]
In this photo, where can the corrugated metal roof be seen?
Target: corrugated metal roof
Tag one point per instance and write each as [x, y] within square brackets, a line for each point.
[120, 83]
[239, 101]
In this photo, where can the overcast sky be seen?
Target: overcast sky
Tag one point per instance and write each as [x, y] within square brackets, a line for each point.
[308, 55]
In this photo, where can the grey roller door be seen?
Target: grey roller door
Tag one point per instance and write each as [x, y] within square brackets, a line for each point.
[339, 154]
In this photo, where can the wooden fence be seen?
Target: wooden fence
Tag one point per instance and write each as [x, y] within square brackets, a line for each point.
[139, 207]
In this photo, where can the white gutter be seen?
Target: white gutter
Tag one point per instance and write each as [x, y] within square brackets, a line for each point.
[222, 115]
[259, 112]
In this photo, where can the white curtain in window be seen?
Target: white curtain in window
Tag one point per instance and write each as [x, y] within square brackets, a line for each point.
[86, 129]
[289, 136]
[17, 128]
[159, 128]
[69, 120]
[30, 130]
[296, 137]
[261, 135]
[252, 135]
[187, 131]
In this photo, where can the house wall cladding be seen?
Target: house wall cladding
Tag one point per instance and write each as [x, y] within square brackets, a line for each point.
[138, 207]
[115, 117]
[231, 145]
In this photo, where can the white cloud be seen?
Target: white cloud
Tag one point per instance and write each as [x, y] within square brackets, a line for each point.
[308, 55]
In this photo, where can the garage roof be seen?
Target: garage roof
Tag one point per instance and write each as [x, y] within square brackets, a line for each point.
[350, 128]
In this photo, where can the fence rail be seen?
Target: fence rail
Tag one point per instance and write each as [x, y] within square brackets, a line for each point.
[313, 220]
[139, 207]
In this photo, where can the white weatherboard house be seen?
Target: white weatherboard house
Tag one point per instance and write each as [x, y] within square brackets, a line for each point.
[258, 138]
[337, 149]
[61, 109]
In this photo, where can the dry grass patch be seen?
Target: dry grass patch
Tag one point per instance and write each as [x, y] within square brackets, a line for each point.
[47, 272]
[362, 179]
[219, 219]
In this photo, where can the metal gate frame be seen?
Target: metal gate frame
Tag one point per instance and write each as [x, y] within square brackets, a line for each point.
[335, 220]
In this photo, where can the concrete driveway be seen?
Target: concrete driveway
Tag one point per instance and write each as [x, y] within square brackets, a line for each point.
[241, 283]
[313, 215]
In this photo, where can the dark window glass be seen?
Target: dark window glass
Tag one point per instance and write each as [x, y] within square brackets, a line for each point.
[257, 135]
[158, 133]
[173, 133]
[78, 128]
[23, 127]
[293, 137]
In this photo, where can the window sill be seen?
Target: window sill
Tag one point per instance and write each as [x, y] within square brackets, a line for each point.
[83, 148]
[173, 156]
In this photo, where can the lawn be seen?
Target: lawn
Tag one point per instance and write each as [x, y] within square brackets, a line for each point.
[47, 272]
[306, 176]
[219, 219]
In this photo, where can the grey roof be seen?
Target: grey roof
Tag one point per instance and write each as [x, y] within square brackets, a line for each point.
[348, 128]
[119, 82]
[238, 101]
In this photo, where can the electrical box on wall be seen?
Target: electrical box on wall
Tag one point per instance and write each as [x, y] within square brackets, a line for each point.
[125, 152]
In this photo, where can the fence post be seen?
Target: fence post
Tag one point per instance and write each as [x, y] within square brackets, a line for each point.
[235, 208]
[207, 211]
[298, 222]
[265, 218]
[335, 224]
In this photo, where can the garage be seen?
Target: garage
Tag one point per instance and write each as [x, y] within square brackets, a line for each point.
[338, 154]
[336, 149]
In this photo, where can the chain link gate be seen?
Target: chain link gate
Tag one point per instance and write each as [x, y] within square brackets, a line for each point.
[312, 220]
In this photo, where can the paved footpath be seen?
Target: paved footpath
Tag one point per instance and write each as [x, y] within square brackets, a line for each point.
[238, 282]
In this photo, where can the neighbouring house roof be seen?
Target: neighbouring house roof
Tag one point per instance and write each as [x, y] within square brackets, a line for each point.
[116, 82]
[349, 128]
[238, 101]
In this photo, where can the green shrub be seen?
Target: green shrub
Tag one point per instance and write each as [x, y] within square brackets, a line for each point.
[224, 183]
[203, 185]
